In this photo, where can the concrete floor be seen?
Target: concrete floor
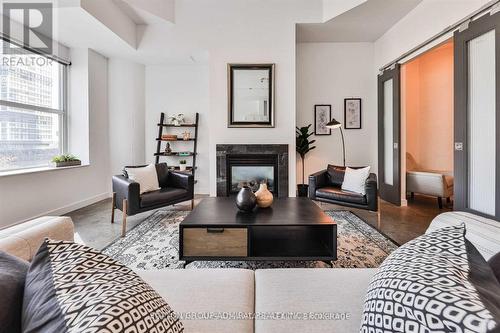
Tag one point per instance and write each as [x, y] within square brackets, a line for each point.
[93, 223]
[401, 224]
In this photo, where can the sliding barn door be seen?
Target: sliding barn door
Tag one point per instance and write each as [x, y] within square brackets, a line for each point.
[477, 117]
[389, 132]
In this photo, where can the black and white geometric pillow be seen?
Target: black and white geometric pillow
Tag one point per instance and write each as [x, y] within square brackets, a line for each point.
[436, 283]
[74, 288]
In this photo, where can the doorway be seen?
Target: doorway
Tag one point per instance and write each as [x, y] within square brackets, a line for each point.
[427, 128]
[475, 176]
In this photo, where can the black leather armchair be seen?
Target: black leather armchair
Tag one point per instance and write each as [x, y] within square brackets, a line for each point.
[327, 187]
[175, 187]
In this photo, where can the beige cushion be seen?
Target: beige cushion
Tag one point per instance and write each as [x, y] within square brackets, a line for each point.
[206, 292]
[146, 177]
[23, 240]
[312, 291]
[482, 232]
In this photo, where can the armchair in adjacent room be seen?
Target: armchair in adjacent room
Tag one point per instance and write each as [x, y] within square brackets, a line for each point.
[175, 187]
[326, 186]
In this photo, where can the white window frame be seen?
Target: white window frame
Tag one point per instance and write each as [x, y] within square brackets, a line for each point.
[62, 112]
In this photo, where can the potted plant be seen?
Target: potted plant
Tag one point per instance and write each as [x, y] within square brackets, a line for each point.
[303, 146]
[182, 165]
[66, 160]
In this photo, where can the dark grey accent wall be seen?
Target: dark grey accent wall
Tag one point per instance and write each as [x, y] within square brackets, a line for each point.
[222, 150]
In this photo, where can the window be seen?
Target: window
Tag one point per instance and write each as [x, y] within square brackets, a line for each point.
[32, 110]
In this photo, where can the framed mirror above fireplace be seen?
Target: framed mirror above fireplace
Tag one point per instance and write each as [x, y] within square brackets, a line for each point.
[250, 95]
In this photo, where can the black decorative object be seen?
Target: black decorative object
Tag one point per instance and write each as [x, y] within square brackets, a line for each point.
[246, 200]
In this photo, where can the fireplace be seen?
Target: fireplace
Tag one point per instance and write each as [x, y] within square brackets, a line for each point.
[252, 170]
[252, 164]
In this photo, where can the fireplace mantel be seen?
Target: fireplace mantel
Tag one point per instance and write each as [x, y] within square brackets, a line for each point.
[223, 150]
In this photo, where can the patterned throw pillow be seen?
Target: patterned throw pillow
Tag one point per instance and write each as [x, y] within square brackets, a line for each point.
[436, 283]
[74, 288]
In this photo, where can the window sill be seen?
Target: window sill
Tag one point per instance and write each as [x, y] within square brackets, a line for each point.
[38, 170]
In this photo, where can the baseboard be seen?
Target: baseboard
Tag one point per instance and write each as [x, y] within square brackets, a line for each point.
[69, 208]
[404, 202]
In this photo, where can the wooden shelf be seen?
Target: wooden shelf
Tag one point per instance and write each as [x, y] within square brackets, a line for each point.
[182, 125]
[176, 168]
[174, 154]
[178, 139]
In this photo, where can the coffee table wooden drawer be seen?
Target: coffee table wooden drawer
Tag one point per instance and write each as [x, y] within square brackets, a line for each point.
[210, 242]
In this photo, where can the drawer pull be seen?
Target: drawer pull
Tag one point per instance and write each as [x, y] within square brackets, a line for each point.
[215, 230]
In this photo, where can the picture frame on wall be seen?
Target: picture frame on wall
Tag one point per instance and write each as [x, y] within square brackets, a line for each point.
[352, 113]
[322, 116]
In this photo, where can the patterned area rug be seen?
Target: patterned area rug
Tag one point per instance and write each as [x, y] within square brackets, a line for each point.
[154, 244]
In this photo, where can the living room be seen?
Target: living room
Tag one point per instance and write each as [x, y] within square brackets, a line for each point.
[234, 152]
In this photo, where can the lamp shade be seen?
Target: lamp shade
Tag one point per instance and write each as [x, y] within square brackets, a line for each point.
[334, 124]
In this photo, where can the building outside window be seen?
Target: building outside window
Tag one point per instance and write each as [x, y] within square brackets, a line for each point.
[32, 110]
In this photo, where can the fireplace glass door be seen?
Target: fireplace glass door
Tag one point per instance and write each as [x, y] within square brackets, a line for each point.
[252, 170]
[251, 176]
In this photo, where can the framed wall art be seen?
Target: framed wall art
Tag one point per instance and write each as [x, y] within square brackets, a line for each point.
[322, 116]
[352, 113]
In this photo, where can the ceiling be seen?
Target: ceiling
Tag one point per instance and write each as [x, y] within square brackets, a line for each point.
[364, 23]
[134, 13]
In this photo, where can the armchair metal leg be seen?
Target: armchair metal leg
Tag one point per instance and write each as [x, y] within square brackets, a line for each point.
[124, 218]
[113, 207]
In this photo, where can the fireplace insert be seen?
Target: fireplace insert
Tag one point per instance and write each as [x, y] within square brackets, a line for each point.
[252, 170]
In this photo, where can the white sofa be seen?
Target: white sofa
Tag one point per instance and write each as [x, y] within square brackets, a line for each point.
[208, 299]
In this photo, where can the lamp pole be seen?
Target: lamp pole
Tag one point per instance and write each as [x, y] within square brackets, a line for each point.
[334, 124]
[343, 144]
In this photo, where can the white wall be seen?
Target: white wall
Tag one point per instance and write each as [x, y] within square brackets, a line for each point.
[426, 20]
[249, 36]
[326, 74]
[126, 88]
[179, 89]
[238, 31]
[59, 191]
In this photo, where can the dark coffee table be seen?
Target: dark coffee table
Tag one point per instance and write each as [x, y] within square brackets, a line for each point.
[292, 229]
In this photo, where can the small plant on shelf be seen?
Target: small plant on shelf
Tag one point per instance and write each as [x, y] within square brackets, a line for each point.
[66, 160]
[182, 165]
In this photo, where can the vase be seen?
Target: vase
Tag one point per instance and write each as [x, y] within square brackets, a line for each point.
[182, 167]
[246, 200]
[264, 196]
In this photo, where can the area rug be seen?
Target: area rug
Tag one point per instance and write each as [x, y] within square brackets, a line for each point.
[154, 243]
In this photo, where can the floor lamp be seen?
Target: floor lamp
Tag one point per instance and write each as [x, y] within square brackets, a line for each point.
[334, 124]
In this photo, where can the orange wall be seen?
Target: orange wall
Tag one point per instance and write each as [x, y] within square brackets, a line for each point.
[428, 104]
